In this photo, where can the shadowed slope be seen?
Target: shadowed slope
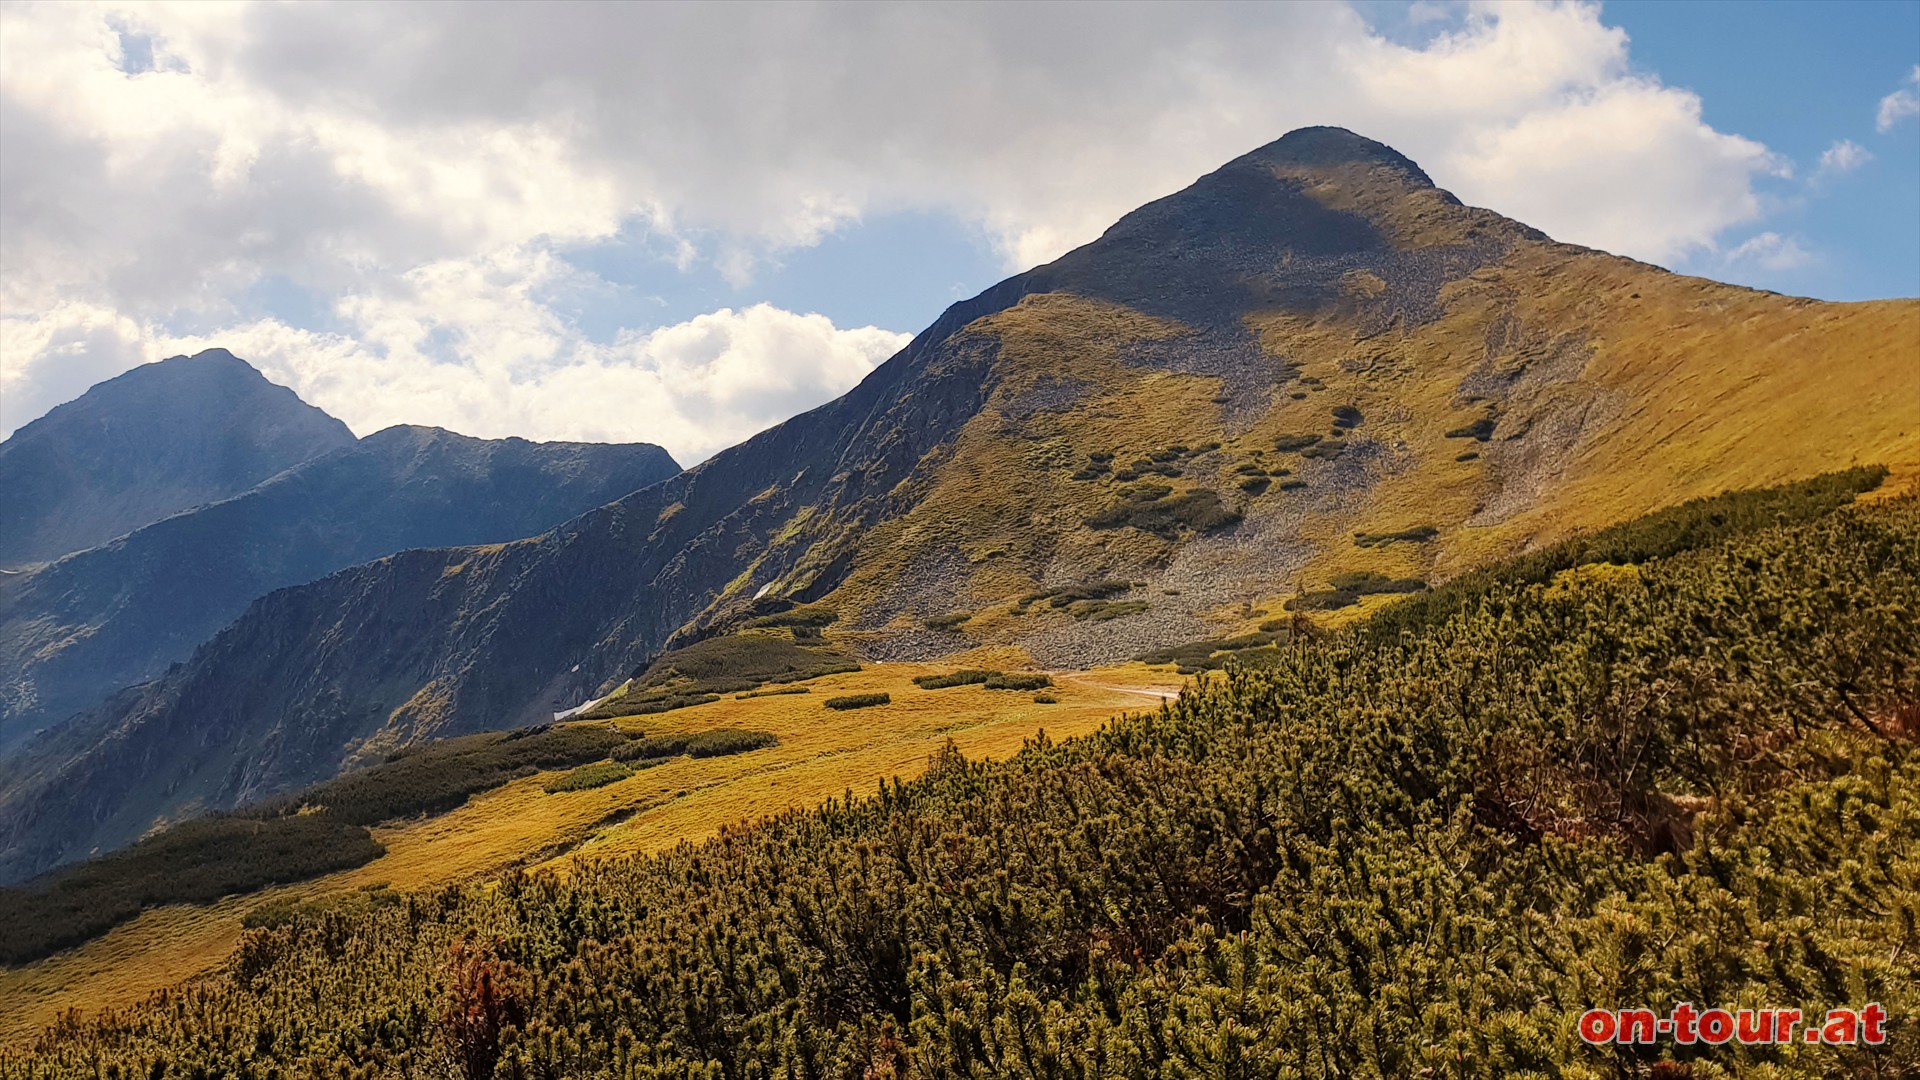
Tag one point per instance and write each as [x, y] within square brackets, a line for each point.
[73, 631]
[137, 448]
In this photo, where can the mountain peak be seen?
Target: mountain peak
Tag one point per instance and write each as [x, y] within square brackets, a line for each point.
[1283, 227]
[1327, 148]
[151, 442]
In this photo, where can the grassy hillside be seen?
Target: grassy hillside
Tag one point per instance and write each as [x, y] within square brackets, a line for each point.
[1551, 391]
[1689, 776]
[821, 754]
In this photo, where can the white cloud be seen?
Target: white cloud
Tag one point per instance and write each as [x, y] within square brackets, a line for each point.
[53, 358]
[1843, 156]
[1900, 104]
[1768, 251]
[694, 387]
[414, 167]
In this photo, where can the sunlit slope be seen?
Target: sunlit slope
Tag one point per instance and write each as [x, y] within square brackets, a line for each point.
[822, 754]
[1557, 390]
[1460, 388]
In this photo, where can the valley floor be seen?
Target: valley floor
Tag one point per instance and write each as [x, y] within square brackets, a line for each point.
[822, 754]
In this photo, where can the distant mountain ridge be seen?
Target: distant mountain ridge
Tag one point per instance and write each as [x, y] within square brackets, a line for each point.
[137, 448]
[74, 631]
[1309, 365]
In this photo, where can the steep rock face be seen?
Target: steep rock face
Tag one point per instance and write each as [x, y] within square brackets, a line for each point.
[1315, 315]
[73, 631]
[137, 448]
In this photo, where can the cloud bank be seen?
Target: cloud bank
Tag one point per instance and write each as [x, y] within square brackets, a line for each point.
[421, 175]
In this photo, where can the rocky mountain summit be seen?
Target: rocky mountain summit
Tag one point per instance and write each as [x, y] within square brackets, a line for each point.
[138, 447]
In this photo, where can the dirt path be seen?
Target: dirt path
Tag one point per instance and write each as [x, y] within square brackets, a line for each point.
[1154, 693]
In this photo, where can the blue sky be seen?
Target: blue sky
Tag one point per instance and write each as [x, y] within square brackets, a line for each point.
[616, 222]
[1798, 76]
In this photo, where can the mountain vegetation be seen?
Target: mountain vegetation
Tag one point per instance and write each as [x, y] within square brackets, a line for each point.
[1671, 761]
[73, 632]
[736, 663]
[139, 447]
[325, 827]
[1316, 310]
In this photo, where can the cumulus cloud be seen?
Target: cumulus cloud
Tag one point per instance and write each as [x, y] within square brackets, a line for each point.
[1843, 156]
[1900, 104]
[417, 171]
[52, 358]
[694, 387]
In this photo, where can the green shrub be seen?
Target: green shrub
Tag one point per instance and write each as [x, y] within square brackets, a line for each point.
[1103, 610]
[1292, 485]
[598, 774]
[1213, 654]
[1480, 430]
[1469, 455]
[1067, 595]
[1690, 525]
[858, 701]
[1151, 508]
[359, 903]
[1296, 442]
[968, 677]
[1346, 589]
[1326, 451]
[1419, 534]
[439, 776]
[1254, 485]
[776, 691]
[804, 615]
[1019, 680]
[1323, 600]
[1045, 699]
[948, 622]
[194, 862]
[1346, 416]
[726, 741]
[730, 664]
[649, 704]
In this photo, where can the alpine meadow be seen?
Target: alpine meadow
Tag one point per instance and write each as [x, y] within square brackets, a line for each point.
[1318, 628]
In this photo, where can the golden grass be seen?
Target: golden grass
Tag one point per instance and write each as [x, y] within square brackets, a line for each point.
[1004, 501]
[822, 753]
[1704, 387]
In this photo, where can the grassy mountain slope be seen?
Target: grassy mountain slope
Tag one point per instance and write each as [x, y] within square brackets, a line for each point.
[138, 447]
[822, 753]
[1684, 777]
[74, 631]
[1314, 315]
